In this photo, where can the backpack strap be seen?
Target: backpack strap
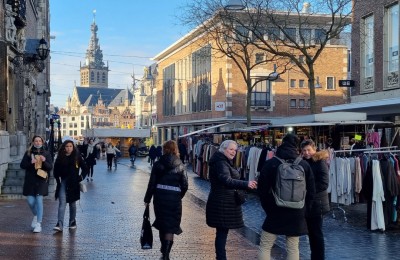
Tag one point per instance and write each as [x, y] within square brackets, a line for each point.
[298, 160]
[281, 160]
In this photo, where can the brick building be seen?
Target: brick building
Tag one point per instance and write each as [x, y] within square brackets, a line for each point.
[375, 62]
[198, 87]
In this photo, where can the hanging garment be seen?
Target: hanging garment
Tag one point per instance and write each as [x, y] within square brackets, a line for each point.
[378, 196]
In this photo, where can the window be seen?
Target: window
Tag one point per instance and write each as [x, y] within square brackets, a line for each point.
[273, 34]
[301, 59]
[82, 118]
[330, 83]
[302, 103]
[320, 36]
[393, 38]
[369, 46]
[309, 103]
[261, 94]
[98, 77]
[290, 34]
[242, 34]
[103, 78]
[70, 125]
[301, 83]
[73, 118]
[305, 36]
[259, 57]
[292, 83]
[293, 103]
[92, 76]
[75, 125]
[82, 124]
[64, 125]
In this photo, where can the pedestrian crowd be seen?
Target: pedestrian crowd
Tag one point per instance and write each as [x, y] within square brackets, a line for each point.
[290, 216]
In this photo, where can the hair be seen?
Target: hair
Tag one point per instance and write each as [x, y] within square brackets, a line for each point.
[170, 147]
[61, 152]
[306, 143]
[33, 139]
[225, 144]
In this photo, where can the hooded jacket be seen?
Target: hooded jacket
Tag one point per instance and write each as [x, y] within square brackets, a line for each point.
[280, 220]
[320, 169]
[169, 172]
[221, 209]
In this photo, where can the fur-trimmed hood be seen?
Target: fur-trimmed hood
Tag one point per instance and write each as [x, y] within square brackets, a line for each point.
[320, 155]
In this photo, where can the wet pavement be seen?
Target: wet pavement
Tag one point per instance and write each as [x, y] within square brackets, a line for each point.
[109, 218]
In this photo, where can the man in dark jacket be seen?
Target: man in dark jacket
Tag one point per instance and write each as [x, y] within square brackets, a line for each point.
[280, 220]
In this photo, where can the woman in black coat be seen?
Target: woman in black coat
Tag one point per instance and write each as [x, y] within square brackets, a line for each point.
[168, 184]
[152, 155]
[222, 211]
[90, 159]
[35, 187]
[67, 169]
[320, 203]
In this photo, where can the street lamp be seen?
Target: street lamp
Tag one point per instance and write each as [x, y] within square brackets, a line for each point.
[235, 5]
[36, 51]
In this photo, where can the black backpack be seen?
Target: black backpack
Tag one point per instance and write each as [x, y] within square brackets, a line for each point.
[290, 185]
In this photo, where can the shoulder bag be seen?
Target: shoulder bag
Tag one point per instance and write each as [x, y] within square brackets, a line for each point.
[146, 234]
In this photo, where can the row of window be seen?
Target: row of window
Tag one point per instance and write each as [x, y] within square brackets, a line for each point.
[301, 103]
[301, 83]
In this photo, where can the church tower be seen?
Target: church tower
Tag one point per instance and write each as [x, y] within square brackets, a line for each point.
[94, 73]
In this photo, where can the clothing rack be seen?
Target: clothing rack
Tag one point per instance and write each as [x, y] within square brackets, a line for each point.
[366, 150]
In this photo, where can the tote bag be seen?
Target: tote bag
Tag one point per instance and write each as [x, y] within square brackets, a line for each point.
[146, 235]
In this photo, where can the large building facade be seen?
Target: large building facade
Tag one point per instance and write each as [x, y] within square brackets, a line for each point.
[199, 87]
[94, 104]
[375, 64]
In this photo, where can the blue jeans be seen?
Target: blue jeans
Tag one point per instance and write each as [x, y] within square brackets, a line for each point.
[220, 242]
[62, 197]
[36, 205]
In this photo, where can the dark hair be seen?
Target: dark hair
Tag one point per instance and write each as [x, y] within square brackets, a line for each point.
[61, 151]
[170, 147]
[306, 143]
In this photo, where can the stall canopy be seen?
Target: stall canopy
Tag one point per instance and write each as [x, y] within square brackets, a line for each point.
[204, 130]
[116, 132]
[333, 118]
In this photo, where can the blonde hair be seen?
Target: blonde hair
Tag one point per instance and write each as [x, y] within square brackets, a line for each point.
[170, 147]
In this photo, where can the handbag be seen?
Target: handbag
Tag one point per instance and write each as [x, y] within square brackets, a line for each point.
[240, 197]
[146, 234]
[41, 173]
[82, 187]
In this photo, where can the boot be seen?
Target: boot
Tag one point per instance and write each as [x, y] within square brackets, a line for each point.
[162, 246]
[167, 249]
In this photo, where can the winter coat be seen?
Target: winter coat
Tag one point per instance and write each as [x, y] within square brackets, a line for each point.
[280, 220]
[91, 156]
[68, 169]
[153, 152]
[221, 209]
[170, 172]
[132, 150]
[34, 184]
[320, 169]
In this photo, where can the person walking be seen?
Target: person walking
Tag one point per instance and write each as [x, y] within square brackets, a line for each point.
[152, 154]
[91, 157]
[158, 152]
[182, 151]
[111, 152]
[320, 203]
[289, 222]
[168, 185]
[222, 210]
[67, 166]
[36, 187]
[132, 153]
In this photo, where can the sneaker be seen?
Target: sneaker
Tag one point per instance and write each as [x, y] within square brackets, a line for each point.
[72, 225]
[34, 222]
[88, 179]
[38, 228]
[58, 227]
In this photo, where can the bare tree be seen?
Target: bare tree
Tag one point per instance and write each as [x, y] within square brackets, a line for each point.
[227, 39]
[293, 31]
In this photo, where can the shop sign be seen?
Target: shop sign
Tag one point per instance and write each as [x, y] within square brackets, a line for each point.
[346, 83]
[219, 106]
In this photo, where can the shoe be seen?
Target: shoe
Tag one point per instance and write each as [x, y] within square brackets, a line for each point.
[88, 179]
[38, 228]
[72, 225]
[34, 222]
[58, 227]
[167, 249]
[91, 179]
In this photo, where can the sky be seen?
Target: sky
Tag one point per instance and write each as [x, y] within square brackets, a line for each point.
[130, 33]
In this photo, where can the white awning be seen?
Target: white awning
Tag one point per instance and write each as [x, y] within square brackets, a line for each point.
[204, 129]
[358, 122]
[116, 132]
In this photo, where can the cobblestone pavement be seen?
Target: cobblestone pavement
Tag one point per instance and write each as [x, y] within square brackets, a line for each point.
[109, 218]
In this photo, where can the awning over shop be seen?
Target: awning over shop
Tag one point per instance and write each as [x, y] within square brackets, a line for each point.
[116, 132]
[203, 130]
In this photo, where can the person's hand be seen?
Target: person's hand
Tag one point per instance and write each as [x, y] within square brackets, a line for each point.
[252, 184]
[33, 161]
[146, 204]
[42, 158]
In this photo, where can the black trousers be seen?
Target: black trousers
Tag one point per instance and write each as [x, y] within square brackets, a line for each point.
[110, 158]
[316, 237]
[220, 242]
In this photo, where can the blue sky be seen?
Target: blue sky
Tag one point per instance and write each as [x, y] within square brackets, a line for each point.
[129, 32]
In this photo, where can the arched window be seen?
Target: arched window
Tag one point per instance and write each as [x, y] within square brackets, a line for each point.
[104, 78]
[92, 76]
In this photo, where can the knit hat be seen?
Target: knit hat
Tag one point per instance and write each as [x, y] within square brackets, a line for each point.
[290, 140]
